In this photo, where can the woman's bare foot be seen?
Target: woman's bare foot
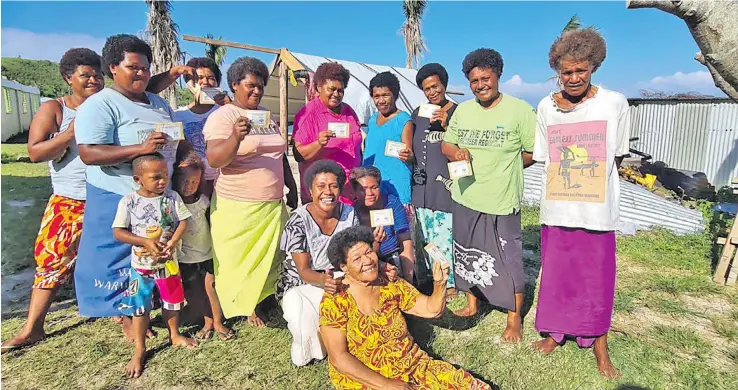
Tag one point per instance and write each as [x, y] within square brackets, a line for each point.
[223, 332]
[256, 321]
[181, 341]
[547, 345]
[513, 332]
[22, 341]
[466, 311]
[604, 364]
[134, 368]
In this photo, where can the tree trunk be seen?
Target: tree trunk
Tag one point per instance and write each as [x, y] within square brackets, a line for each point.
[714, 26]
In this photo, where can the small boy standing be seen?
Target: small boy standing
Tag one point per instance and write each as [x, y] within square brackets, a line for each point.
[153, 220]
[196, 254]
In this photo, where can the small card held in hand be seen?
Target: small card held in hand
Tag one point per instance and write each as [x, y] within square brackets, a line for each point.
[258, 118]
[382, 217]
[340, 129]
[393, 149]
[459, 169]
[426, 110]
[207, 95]
[436, 254]
[173, 129]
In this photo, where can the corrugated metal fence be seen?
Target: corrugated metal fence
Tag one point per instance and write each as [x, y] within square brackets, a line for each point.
[696, 135]
[639, 208]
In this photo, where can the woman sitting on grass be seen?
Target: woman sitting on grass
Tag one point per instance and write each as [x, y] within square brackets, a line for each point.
[396, 246]
[365, 333]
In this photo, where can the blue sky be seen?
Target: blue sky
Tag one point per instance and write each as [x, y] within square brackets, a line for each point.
[646, 48]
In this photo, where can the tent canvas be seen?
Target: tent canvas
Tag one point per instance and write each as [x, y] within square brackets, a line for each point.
[357, 94]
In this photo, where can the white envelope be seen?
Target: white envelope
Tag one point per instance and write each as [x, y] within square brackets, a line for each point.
[340, 129]
[393, 149]
[426, 110]
[436, 254]
[207, 95]
[174, 130]
[383, 217]
[459, 169]
[258, 118]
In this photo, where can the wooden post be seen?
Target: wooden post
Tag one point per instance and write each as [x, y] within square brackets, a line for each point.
[283, 115]
[726, 256]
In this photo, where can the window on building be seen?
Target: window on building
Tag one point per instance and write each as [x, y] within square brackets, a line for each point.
[8, 101]
[36, 103]
[24, 102]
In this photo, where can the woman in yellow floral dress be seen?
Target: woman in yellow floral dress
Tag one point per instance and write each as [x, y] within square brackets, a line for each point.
[365, 333]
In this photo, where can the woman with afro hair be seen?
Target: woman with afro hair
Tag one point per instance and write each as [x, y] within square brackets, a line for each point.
[586, 126]
[494, 133]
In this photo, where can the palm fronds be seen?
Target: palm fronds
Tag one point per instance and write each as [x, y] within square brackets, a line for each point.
[161, 34]
[414, 42]
[216, 52]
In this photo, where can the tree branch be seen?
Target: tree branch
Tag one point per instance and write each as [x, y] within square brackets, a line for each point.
[666, 6]
[719, 80]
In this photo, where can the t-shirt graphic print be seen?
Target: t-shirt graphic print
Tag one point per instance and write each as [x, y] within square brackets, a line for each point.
[578, 168]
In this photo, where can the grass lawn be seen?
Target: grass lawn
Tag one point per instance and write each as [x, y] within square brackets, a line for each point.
[672, 328]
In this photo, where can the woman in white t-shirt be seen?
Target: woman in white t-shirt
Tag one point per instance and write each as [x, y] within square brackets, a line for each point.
[207, 75]
[582, 137]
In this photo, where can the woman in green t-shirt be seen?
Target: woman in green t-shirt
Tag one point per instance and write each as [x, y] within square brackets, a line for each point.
[495, 134]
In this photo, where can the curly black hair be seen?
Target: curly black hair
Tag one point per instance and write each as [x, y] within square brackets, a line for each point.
[362, 172]
[117, 45]
[385, 79]
[204, 62]
[482, 58]
[244, 66]
[324, 166]
[138, 162]
[345, 240]
[585, 44]
[331, 71]
[432, 69]
[78, 57]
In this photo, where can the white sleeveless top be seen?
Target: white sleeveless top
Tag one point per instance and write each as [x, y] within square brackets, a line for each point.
[68, 174]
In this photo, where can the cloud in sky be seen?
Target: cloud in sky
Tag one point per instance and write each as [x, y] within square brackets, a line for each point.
[45, 46]
[699, 81]
[515, 86]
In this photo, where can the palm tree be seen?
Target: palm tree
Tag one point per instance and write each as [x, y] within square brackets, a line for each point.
[414, 43]
[161, 33]
[216, 52]
[574, 24]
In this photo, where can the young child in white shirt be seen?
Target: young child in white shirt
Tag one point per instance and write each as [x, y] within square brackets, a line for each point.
[196, 255]
[153, 220]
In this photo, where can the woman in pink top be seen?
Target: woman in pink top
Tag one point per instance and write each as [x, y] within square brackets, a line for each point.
[313, 139]
[247, 213]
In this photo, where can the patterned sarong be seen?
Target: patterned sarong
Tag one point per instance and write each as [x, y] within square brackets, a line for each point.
[57, 241]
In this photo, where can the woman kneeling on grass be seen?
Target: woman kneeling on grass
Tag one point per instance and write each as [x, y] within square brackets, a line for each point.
[577, 288]
[365, 333]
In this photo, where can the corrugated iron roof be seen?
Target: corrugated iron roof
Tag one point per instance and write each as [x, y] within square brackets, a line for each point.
[638, 206]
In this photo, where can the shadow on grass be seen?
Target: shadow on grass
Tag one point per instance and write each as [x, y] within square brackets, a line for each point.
[628, 386]
[57, 333]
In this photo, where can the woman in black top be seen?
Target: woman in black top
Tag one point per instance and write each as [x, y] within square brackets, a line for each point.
[431, 191]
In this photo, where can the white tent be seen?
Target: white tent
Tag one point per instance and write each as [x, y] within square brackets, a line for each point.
[357, 94]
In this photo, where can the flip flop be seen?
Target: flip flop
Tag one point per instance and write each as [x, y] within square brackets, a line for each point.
[10, 348]
[203, 335]
[226, 335]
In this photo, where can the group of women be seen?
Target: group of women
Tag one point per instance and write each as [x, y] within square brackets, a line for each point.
[338, 280]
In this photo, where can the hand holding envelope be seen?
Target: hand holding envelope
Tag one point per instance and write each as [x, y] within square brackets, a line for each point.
[383, 217]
